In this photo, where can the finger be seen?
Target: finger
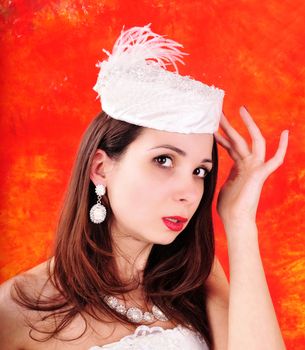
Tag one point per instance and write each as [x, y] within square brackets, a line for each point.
[236, 139]
[258, 141]
[278, 159]
[222, 140]
[226, 144]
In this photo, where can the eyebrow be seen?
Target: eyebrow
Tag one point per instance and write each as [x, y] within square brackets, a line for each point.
[181, 152]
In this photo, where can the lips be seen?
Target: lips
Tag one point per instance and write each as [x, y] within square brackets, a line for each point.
[174, 223]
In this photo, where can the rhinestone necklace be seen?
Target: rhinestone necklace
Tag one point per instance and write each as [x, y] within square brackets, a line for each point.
[134, 314]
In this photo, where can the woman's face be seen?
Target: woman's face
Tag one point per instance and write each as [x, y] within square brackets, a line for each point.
[158, 181]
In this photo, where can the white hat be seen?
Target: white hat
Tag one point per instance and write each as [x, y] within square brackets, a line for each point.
[135, 86]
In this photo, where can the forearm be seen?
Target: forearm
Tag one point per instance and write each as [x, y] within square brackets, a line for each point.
[252, 319]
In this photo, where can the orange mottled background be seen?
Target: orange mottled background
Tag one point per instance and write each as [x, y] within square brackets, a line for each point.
[254, 50]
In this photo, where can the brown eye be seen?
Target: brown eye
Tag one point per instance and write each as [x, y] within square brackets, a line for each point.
[164, 161]
[201, 172]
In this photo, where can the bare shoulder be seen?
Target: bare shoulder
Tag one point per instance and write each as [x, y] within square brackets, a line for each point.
[218, 304]
[14, 328]
[10, 316]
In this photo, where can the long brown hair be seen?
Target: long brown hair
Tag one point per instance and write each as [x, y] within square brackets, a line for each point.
[84, 269]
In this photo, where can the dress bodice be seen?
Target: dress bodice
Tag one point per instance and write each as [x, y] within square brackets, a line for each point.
[157, 338]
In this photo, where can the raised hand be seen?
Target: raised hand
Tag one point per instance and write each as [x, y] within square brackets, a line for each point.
[239, 196]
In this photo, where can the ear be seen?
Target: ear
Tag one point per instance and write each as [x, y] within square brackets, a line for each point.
[101, 166]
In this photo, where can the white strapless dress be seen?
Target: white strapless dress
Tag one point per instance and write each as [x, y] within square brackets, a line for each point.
[157, 338]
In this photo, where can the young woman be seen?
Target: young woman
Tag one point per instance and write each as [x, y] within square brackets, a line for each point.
[134, 265]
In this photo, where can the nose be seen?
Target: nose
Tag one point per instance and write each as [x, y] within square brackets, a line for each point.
[188, 189]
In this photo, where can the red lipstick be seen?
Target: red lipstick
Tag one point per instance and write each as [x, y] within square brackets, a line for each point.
[174, 223]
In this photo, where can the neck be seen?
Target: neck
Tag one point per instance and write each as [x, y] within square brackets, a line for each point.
[130, 256]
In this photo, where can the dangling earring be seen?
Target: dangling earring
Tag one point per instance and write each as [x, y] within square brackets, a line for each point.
[98, 211]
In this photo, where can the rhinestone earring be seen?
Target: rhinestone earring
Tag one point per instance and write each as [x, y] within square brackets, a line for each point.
[98, 211]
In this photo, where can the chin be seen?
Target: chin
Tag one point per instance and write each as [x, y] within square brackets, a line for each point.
[167, 238]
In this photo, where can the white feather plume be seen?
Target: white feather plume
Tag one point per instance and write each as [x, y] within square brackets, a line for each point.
[139, 44]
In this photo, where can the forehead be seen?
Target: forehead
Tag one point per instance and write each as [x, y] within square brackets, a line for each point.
[190, 143]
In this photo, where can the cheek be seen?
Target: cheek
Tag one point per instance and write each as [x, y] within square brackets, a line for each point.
[135, 190]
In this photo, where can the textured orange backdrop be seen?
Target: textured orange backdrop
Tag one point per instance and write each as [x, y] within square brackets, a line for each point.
[254, 50]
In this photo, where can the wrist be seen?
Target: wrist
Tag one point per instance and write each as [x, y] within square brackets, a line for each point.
[239, 224]
[240, 229]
